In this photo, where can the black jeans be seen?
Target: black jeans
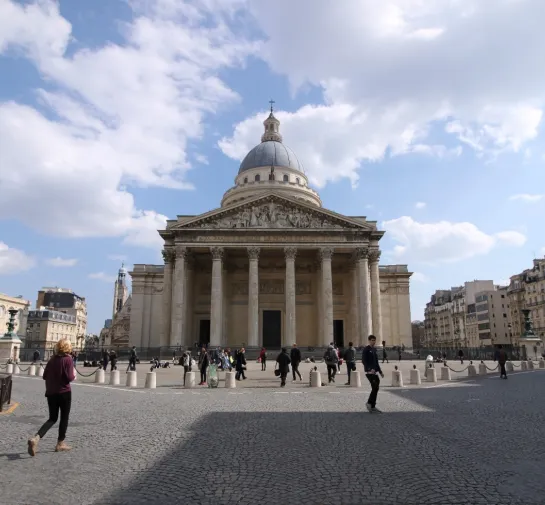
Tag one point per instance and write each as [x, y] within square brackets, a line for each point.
[503, 373]
[203, 374]
[113, 365]
[295, 370]
[331, 371]
[349, 367]
[264, 364]
[61, 402]
[283, 378]
[132, 365]
[239, 374]
[375, 383]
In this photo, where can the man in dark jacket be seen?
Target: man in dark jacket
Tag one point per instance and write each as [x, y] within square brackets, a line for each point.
[372, 371]
[502, 358]
[350, 358]
[295, 356]
[283, 361]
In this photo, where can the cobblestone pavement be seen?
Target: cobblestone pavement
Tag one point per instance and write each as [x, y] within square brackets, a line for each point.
[170, 378]
[468, 442]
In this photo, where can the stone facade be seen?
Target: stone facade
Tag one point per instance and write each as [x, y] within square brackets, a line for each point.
[270, 267]
[117, 335]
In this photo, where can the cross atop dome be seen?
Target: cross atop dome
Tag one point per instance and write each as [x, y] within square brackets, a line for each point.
[272, 127]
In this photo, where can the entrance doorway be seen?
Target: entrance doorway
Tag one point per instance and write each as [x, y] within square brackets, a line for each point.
[338, 332]
[272, 329]
[204, 331]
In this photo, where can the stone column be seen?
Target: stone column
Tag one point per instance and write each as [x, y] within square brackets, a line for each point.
[361, 255]
[169, 256]
[189, 300]
[253, 297]
[354, 307]
[374, 256]
[291, 332]
[326, 254]
[178, 313]
[216, 302]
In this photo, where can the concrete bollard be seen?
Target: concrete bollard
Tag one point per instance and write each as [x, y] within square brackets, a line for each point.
[190, 380]
[230, 381]
[40, 371]
[541, 363]
[445, 373]
[32, 370]
[530, 365]
[482, 369]
[415, 377]
[16, 369]
[397, 379]
[355, 379]
[509, 367]
[132, 379]
[432, 375]
[9, 368]
[151, 380]
[114, 378]
[99, 377]
[524, 365]
[471, 371]
[315, 379]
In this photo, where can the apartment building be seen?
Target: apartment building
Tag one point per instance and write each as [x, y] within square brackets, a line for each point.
[46, 327]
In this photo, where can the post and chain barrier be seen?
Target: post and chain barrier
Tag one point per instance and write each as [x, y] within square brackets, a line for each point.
[3, 366]
[488, 368]
[25, 370]
[457, 371]
[88, 375]
[516, 366]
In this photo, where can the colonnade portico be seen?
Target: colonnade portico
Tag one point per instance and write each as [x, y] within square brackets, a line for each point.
[363, 290]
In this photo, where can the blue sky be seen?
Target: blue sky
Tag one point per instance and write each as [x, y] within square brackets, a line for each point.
[115, 115]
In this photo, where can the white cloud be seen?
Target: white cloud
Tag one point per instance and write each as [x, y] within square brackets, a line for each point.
[114, 115]
[444, 241]
[117, 257]
[389, 71]
[419, 277]
[61, 262]
[420, 205]
[527, 198]
[101, 276]
[13, 261]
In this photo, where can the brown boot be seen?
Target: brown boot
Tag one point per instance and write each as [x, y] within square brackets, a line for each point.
[33, 445]
[61, 446]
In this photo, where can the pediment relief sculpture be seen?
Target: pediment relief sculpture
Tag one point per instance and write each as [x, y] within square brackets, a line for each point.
[271, 214]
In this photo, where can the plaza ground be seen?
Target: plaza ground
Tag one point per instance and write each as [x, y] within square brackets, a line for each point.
[469, 441]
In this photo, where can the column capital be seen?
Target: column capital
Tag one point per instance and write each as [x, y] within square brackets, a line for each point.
[169, 255]
[374, 255]
[361, 253]
[217, 253]
[181, 252]
[253, 253]
[290, 253]
[326, 253]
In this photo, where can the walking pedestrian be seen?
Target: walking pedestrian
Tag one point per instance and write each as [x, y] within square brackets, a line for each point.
[295, 357]
[263, 359]
[372, 370]
[105, 359]
[331, 359]
[384, 355]
[283, 361]
[502, 359]
[350, 358]
[58, 374]
[240, 364]
[113, 360]
[132, 359]
[461, 356]
[186, 362]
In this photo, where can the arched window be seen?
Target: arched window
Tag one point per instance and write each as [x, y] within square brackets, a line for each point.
[297, 180]
[257, 178]
[245, 180]
[285, 178]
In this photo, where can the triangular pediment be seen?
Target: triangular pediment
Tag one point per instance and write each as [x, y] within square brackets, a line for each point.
[273, 211]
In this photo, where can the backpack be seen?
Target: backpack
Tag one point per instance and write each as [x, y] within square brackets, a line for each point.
[331, 356]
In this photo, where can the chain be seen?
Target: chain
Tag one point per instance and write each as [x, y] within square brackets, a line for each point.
[24, 370]
[516, 366]
[457, 371]
[88, 375]
[3, 366]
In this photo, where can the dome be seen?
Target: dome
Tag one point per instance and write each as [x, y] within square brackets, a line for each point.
[270, 153]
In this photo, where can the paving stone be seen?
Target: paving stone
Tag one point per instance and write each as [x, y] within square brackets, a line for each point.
[471, 442]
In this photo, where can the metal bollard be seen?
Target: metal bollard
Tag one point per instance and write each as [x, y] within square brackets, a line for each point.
[114, 378]
[445, 373]
[131, 379]
[151, 380]
[415, 376]
[99, 377]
